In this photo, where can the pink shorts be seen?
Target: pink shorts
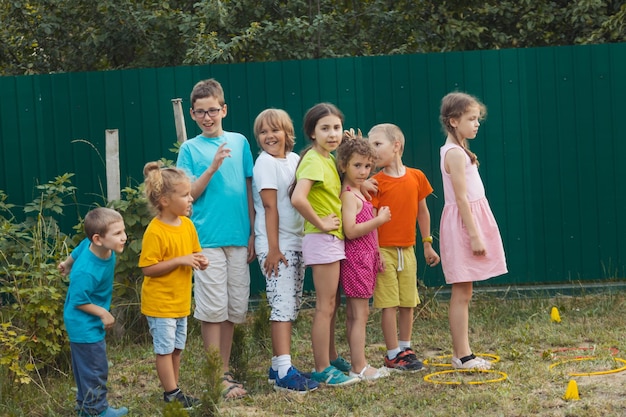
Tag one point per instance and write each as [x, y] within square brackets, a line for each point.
[322, 248]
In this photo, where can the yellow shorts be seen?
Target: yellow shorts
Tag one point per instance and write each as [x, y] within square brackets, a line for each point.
[397, 285]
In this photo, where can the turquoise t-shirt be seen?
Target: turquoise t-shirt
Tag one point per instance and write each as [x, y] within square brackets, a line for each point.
[91, 282]
[324, 194]
[220, 214]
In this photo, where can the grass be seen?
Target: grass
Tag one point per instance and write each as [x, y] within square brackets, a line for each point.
[516, 328]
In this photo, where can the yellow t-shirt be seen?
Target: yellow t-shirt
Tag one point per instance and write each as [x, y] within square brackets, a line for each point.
[168, 296]
[324, 195]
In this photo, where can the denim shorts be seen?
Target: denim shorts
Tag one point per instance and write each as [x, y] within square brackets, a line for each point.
[167, 334]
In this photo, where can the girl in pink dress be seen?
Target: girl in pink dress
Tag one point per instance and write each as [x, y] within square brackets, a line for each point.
[358, 270]
[469, 242]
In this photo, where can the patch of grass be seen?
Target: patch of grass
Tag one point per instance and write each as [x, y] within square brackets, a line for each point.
[516, 329]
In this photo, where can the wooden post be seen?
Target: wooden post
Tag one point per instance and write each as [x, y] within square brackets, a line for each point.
[179, 120]
[113, 165]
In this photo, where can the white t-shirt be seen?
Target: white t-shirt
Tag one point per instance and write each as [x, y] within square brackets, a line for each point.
[276, 174]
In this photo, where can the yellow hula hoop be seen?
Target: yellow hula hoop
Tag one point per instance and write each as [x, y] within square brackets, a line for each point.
[503, 376]
[495, 358]
[611, 371]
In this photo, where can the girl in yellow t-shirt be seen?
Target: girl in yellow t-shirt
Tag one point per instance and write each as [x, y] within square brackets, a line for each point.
[169, 253]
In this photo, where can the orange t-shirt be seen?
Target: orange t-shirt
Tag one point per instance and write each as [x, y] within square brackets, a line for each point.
[402, 196]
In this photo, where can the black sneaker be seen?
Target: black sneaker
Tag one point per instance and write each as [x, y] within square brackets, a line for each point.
[405, 361]
[186, 401]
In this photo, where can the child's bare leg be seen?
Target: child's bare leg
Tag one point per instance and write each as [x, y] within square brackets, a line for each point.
[281, 337]
[326, 282]
[390, 327]
[165, 371]
[332, 348]
[458, 316]
[359, 308]
[405, 323]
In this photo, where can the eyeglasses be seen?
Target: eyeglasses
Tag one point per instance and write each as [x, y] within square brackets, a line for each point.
[211, 112]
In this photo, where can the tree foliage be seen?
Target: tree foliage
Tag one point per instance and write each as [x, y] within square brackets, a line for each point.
[43, 36]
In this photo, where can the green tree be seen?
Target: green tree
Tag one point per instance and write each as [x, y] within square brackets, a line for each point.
[42, 36]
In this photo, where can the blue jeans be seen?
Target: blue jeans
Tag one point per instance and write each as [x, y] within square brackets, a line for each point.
[91, 370]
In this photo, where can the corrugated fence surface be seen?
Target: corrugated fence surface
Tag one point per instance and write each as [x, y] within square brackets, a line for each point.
[551, 149]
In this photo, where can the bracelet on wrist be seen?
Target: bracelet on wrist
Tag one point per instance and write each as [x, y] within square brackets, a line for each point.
[428, 239]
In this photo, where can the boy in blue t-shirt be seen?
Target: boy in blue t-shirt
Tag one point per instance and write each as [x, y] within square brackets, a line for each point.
[220, 165]
[86, 312]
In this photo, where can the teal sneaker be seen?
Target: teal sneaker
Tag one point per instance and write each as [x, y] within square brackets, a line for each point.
[341, 364]
[333, 377]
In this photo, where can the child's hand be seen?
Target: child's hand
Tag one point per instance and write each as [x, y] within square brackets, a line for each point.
[200, 261]
[384, 213]
[478, 247]
[330, 223]
[369, 188]
[272, 262]
[64, 268]
[431, 256]
[222, 153]
[107, 320]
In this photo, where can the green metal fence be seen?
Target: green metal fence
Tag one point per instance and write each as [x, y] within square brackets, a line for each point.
[550, 149]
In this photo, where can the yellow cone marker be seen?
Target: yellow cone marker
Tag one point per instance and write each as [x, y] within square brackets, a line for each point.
[571, 393]
[555, 316]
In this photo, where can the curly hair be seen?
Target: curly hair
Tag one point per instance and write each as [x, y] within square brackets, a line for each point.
[350, 145]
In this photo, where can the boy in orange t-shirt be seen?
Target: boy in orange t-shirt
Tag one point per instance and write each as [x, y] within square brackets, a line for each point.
[404, 191]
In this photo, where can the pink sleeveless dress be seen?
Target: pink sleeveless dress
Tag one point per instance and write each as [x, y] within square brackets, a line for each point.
[457, 260]
[362, 262]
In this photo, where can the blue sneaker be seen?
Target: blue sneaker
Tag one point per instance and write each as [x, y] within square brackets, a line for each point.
[294, 381]
[333, 377]
[341, 364]
[273, 376]
[109, 412]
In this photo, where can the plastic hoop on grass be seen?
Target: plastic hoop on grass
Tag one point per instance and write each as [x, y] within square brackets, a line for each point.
[613, 350]
[610, 371]
[503, 376]
[495, 358]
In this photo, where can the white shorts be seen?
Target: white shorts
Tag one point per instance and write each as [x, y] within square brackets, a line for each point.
[222, 290]
[284, 292]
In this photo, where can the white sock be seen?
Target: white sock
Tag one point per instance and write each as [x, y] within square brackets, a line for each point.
[403, 344]
[281, 364]
[391, 354]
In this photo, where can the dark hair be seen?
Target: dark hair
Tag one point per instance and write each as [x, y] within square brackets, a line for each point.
[312, 116]
[453, 106]
[279, 119]
[160, 182]
[98, 220]
[315, 113]
[350, 145]
[207, 88]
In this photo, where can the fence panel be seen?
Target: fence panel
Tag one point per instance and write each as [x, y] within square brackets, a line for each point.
[550, 148]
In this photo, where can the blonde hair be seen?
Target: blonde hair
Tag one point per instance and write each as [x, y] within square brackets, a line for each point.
[276, 119]
[453, 106]
[160, 182]
[391, 132]
[98, 220]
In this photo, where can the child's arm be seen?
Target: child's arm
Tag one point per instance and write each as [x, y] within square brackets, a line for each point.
[251, 214]
[274, 255]
[455, 165]
[95, 310]
[369, 188]
[423, 222]
[194, 260]
[350, 208]
[200, 184]
[301, 203]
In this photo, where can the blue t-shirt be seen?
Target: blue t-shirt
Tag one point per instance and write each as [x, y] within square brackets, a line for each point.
[91, 282]
[220, 213]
